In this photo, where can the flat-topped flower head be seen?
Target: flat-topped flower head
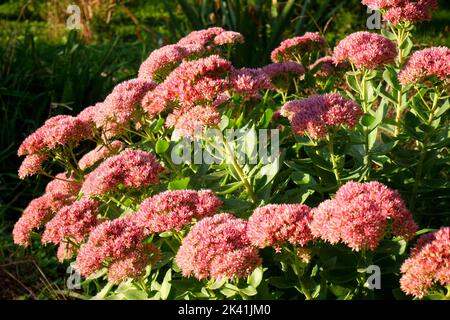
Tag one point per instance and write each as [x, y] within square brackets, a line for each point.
[173, 210]
[203, 37]
[282, 73]
[404, 11]
[228, 38]
[327, 67]
[37, 213]
[72, 222]
[428, 64]
[66, 184]
[191, 122]
[365, 50]
[428, 264]
[133, 264]
[99, 153]
[249, 82]
[361, 215]
[57, 131]
[163, 60]
[192, 83]
[318, 114]
[110, 241]
[274, 225]
[218, 247]
[31, 165]
[294, 48]
[130, 168]
[120, 106]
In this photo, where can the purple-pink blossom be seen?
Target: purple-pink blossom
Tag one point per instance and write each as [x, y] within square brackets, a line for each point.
[318, 114]
[361, 214]
[173, 210]
[274, 225]
[218, 247]
[130, 168]
[295, 48]
[99, 153]
[428, 264]
[425, 64]
[365, 50]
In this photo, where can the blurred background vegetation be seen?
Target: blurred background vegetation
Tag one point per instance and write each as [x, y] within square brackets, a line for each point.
[46, 69]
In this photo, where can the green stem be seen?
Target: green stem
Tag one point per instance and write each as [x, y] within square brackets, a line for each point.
[423, 153]
[365, 107]
[333, 159]
[238, 168]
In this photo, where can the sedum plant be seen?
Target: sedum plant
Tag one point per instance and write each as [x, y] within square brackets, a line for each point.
[163, 190]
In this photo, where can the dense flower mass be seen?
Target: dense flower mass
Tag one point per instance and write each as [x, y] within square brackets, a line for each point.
[428, 265]
[218, 247]
[130, 168]
[249, 82]
[295, 48]
[99, 153]
[365, 50]
[193, 82]
[361, 214]
[63, 184]
[112, 242]
[317, 114]
[31, 165]
[273, 225]
[401, 11]
[119, 107]
[162, 61]
[37, 213]
[425, 64]
[56, 131]
[172, 210]
[203, 37]
[72, 222]
[327, 68]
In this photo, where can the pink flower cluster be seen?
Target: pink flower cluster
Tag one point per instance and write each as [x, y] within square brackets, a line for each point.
[162, 61]
[119, 108]
[295, 48]
[218, 247]
[361, 214]
[172, 210]
[400, 11]
[428, 264]
[74, 221]
[249, 82]
[274, 225]
[365, 50]
[117, 243]
[56, 132]
[99, 153]
[130, 168]
[328, 68]
[423, 64]
[37, 213]
[203, 37]
[317, 114]
[58, 193]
